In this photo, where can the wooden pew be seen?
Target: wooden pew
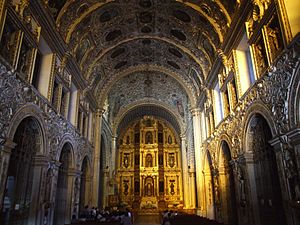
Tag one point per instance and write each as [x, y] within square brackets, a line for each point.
[192, 220]
[94, 223]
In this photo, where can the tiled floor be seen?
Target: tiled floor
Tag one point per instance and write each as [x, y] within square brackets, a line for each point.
[147, 220]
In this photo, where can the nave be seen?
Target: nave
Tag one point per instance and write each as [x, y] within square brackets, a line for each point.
[148, 106]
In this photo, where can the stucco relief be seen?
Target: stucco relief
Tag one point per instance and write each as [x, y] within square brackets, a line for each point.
[270, 95]
[138, 54]
[15, 94]
[140, 17]
[271, 92]
[140, 86]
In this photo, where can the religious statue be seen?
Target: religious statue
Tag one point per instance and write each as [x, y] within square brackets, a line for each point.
[149, 160]
[242, 190]
[148, 189]
[290, 169]
[148, 186]
[149, 138]
[169, 139]
[171, 159]
[126, 187]
[273, 39]
[126, 160]
[172, 187]
[260, 58]
[216, 190]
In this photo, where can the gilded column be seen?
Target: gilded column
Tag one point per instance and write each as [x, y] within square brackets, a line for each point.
[96, 172]
[185, 176]
[198, 156]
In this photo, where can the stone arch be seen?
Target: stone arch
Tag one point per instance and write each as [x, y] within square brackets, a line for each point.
[224, 138]
[69, 140]
[257, 108]
[263, 174]
[22, 178]
[29, 110]
[294, 99]
[176, 118]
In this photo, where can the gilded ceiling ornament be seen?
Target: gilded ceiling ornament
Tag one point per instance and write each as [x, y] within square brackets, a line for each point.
[21, 6]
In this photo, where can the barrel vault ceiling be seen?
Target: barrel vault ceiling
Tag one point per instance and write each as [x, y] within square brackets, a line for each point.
[134, 51]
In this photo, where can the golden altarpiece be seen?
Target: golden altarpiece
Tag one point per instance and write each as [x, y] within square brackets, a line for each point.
[149, 166]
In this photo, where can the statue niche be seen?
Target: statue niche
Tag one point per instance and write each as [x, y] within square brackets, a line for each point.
[149, 160]
[171, 160]
[149, 138]
[149, 184]
[172, 187]
[126, 160]
[126, 187]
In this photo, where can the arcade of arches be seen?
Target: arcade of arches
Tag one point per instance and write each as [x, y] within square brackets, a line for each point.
[189, 105]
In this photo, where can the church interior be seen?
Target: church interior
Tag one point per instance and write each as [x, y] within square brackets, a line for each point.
[150, 105]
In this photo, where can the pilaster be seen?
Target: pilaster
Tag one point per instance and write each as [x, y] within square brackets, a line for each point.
[96, 172]
[185, 175]
[5, 152]
[287, 148]
[39, 168]
[113, 163]
[196, 113]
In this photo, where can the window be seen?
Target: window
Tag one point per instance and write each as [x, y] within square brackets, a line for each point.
[217, 105]
[43, 67]
[245, 65]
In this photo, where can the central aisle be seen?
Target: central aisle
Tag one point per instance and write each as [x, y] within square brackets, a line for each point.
[147, 220]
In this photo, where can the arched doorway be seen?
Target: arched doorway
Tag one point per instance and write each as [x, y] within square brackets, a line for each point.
[208, 187]
[84, 185]
[62, 208]
[18, 205]
[268, 192]
[227, 186]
